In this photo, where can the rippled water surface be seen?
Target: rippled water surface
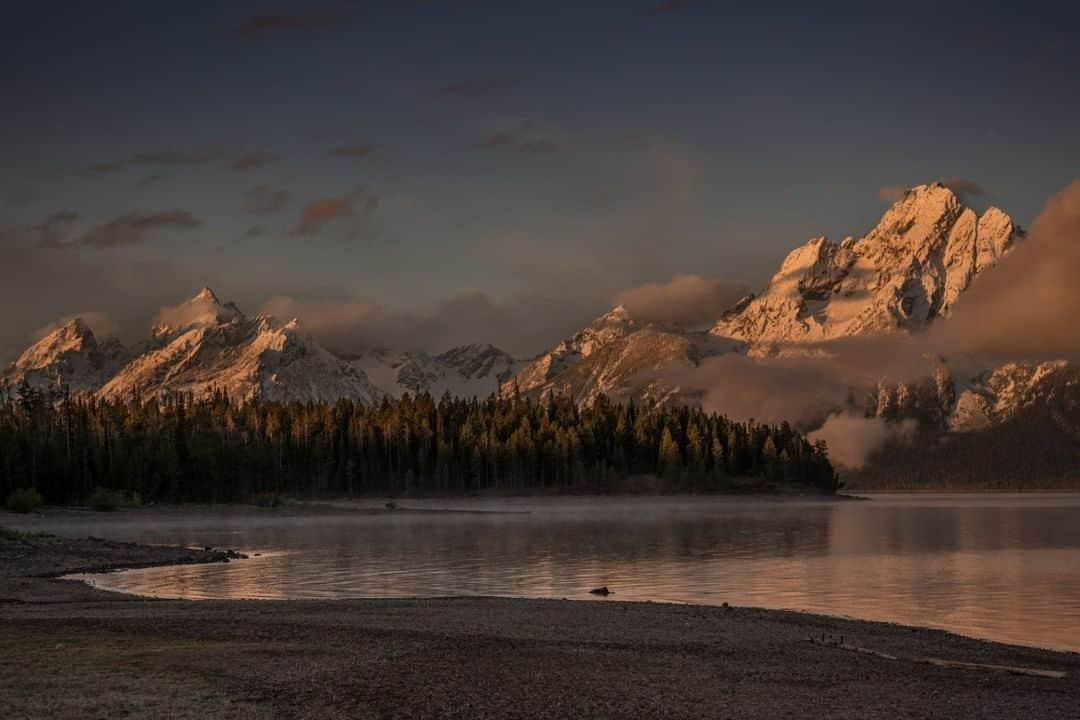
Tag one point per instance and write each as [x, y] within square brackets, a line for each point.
[1005, 567]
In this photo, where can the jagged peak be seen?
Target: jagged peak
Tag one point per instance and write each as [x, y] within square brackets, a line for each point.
[74, 326]
[206, 294]
[617, 315]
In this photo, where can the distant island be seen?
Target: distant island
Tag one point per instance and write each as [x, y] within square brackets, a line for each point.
[214, 450]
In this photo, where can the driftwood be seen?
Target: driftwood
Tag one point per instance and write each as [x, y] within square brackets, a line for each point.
[838, 643]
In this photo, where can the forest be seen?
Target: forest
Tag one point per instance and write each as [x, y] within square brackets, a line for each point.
[179, 449]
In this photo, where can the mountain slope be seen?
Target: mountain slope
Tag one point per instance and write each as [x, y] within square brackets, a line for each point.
[204, 346]
[464, 371]
[69, 356]
[909, 270]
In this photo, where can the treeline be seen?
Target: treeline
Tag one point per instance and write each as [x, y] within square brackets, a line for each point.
[214, 450]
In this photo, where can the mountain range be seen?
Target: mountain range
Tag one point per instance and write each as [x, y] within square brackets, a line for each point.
[908, 272]
[204, 346]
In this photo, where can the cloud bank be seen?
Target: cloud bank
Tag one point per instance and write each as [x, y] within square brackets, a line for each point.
[688, 300]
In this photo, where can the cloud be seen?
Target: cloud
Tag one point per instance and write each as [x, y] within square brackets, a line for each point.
[132, 229]
[270, 23]
[688, 300]
[489, 87]
[351, 324]
[252, 160]
[1025, 307]
[963, 187]
[353, 150]
[175, 157]
[122, 289]
[267, 200]
[53, 232]
[100, 323]
[892, 193]
[852, 439]
[357, 208]
[800, 390]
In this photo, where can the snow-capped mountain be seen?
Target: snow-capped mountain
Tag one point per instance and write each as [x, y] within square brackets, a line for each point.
[203, 346]
[69, 356]
[619, 357]
[1001, 394]
[465, 371]
[909, 270]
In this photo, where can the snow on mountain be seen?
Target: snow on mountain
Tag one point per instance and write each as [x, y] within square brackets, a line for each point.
[909, 270]
[1002, 393]
[203, 346]
[617, 356]
[69, 356]
[465, 371]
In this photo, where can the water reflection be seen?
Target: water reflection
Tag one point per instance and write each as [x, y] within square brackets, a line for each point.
[1003, 567]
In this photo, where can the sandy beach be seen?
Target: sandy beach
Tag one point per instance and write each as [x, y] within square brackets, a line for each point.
[68, 650]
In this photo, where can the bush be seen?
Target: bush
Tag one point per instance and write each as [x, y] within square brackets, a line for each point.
[26, 500]
[106, 499]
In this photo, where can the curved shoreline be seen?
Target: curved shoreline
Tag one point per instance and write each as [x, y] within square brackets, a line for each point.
[64, 644]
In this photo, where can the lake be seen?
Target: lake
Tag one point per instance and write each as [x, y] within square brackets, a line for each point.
[1002, 567]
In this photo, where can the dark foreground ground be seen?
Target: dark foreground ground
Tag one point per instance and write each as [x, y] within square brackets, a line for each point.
[68, 651]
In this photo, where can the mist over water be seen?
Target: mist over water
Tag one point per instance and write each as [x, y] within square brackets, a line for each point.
[1003, 567]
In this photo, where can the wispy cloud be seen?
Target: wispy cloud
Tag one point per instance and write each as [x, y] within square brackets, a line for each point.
[53, 231]
[963, 187]
[133, 228]
[891, 193]
[352, 210]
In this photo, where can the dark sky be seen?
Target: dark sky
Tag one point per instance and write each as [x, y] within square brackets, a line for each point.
[511, 167]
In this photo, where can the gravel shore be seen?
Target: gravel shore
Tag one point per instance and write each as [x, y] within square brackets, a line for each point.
[69, 651]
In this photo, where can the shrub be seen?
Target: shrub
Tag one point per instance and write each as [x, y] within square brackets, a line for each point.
[106, 499]
[26, 500]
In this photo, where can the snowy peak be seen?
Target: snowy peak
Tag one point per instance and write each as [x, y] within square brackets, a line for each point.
[202, 310]
[206, 295]
[74, 336]
[69, 356]
[600, 333]
[203, 346]
[465, 371]
[909, 270]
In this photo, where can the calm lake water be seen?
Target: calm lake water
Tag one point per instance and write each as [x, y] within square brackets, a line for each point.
[1004, 567]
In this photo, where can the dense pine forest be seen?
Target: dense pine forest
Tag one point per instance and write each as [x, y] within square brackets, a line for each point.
[214, 450]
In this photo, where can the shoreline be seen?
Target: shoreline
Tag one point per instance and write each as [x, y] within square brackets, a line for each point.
[70, 650]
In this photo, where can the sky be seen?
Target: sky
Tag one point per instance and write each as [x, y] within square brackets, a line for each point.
[449, 171]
